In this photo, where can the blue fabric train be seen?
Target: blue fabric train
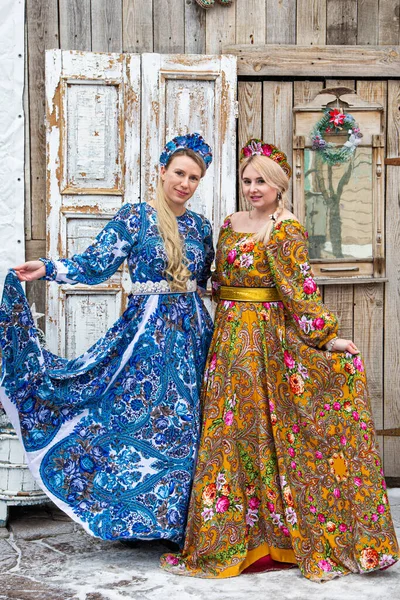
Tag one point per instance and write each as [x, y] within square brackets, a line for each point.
[111, 436]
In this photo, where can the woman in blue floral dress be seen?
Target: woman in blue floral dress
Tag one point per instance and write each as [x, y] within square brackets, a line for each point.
[111, 436]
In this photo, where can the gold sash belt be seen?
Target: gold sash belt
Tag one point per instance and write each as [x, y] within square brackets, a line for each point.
[248, 294]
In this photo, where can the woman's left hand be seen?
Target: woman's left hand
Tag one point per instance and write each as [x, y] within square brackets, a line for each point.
[342, 345]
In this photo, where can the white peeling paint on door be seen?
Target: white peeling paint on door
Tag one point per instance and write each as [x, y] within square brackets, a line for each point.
[11, 135]
[93, 162]
[185, 93]
[100, 154]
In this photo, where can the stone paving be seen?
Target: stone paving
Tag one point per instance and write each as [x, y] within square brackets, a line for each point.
[45, 556]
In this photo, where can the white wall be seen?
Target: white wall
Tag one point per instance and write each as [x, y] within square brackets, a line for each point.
[12, 247]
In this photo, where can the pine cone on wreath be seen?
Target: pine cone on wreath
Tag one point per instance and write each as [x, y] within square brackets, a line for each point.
[205, 3]
[209, 3]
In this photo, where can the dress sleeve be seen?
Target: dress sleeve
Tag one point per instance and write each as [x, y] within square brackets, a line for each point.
[100, 260]
[208, 253]
[289, 262]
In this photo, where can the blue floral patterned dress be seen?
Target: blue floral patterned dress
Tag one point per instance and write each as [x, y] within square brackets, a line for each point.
[111, 436]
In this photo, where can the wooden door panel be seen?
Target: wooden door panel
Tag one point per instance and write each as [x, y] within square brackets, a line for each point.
[187, 93]
[93, 143]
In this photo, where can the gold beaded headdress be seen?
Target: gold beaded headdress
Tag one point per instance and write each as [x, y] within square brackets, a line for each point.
[256, 146]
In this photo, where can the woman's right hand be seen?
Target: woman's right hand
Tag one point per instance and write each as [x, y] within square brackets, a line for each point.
[31, 270]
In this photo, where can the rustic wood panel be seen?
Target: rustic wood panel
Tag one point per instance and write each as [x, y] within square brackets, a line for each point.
[169, 26]
[195, 28]
[281, 22]
[36, 291]
[250, 112]
[106, 25]
[220, 27]
[350, 83]
[316, 61]
[305, 91]
[340, 299]
[389, 22]
[374, 91]
[368, 335]
[311, 22]
[278, 118]
[250, 22]
[368, 22]
[137, 26]
[35, 249]
[341, 21]
[75, 24]
[369, 300]
[42, 28]
[392, 291]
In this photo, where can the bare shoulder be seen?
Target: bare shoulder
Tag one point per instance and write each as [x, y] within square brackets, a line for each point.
[286, 214]
[238, 218]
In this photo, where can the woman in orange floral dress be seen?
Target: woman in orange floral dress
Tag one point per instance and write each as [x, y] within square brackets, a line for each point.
[288, 470]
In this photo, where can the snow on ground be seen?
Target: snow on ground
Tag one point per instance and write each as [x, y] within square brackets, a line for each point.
[44, 556]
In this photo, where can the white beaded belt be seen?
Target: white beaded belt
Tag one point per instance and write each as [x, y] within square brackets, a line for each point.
[142, 288]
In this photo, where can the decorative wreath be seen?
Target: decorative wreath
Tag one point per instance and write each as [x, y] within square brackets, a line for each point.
[335, 121]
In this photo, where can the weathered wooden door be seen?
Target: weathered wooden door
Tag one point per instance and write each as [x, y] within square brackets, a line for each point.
[93, 125]
[108, 117]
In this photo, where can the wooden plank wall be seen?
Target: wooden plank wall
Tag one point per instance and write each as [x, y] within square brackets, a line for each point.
[181, 26]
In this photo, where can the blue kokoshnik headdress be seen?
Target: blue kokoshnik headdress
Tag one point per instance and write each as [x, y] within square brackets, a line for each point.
[191, 141]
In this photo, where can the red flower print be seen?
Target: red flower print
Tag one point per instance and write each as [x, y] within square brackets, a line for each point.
[223, 504]
[266, 150]
[171, 559]
[296, 383]
[349, 367]
[228, 418]
[318, 323]
[369, 558]
[254, 502]
[289, 360]
[357, 362]
[231, 256]
[213, 363]
[309, 286]
[337, 117]
[209, 494]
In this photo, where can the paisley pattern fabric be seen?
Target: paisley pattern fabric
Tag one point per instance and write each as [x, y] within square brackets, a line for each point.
[288, 465]
[111, 436]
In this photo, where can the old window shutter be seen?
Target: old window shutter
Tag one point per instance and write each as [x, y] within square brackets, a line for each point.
[97, 159]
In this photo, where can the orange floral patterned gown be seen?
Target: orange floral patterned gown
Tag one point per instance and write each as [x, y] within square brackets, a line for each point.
[288, 464]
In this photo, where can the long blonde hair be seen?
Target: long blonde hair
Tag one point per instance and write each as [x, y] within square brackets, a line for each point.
[176, 272]
[275, 177]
